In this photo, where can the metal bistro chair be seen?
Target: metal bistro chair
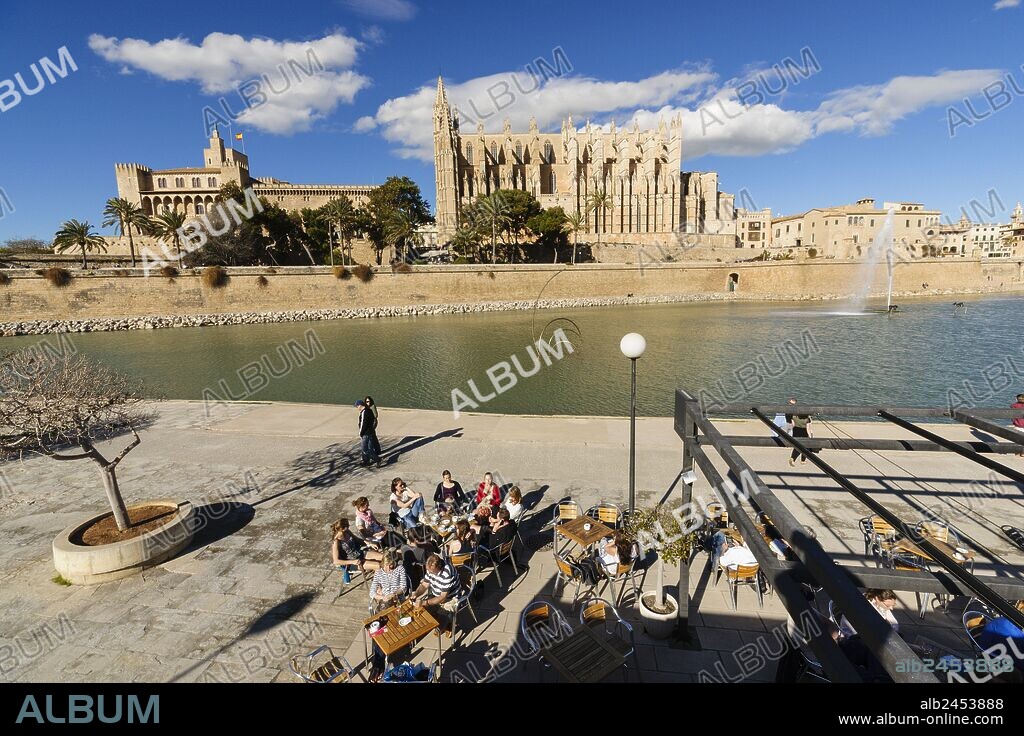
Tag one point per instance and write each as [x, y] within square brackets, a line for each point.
[499, 554]
[879, 536]
[974, 623]
[938, 530]
[624, 572]
[607, 513]
[738, 575]
[598, 613]
[569, 572]
[467, 584]
[565, 511]
[334, 669]
[519, 523]
[354, 574]
[541, 623]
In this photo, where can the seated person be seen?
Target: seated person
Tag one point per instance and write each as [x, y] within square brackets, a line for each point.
[407, 503]
[448, 496]
[439, 591]
[733, 554]
[464, 539]
[883, 601]
[415, 551]
[502, 528]
[390, 582]
[514, 502]
[618, 551]
[367, 526]
[481, 525]
[998, 631]
[347, 549]
[488, 492]
[776, 543]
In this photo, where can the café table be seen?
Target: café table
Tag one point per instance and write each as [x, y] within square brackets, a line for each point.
[573, 531]
[583, 656]
[905, 546]
[395, 636]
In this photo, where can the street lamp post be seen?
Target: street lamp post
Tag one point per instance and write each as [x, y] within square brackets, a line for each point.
[632, 346]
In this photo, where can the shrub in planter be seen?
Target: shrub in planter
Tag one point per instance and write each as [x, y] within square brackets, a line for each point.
[363, 273]
[340, 272]
[261, 282]
[59, 277]
[216, 277]
[169, 272]
[659, 530]
[403, 268]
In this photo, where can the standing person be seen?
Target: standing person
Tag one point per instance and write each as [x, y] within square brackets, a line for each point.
[406, 502]
[801, 428]
[373, 407]
[368, 435]
[1018, 423]
[449, 496]
[488, 492]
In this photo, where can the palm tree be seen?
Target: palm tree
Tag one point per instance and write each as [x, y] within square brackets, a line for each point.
[495, 211]
[128, 217]
[573, 224]
[400, 231]
[341, 213]
[166, 227]
[598, 201]
[74, 234]
[464, 238]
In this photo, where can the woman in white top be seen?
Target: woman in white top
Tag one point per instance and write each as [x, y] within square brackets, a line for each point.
[514, 503]
[883, 601]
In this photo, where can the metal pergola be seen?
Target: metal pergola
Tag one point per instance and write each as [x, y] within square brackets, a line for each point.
[814, 566]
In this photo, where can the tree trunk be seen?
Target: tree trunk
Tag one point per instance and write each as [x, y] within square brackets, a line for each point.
[575, 244]
[177, 249]
[109, 473]
[131, 245]
[85, 260]
[659, 590]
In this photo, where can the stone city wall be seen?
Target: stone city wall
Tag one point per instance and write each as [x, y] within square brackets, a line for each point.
[28, 297]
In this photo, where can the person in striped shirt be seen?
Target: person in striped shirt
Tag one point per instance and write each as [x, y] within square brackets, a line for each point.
[439, 590]
[389, 582]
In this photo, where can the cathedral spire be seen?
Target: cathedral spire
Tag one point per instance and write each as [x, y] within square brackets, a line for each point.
[442, 96]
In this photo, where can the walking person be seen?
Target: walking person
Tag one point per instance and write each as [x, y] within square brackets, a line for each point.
[373, 407]
[368, 443]
[1018, 423]
[801, 424]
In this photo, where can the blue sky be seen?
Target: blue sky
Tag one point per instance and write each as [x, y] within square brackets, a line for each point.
[870, 119]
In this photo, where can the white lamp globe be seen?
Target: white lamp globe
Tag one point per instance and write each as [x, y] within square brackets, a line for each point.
[633, 345]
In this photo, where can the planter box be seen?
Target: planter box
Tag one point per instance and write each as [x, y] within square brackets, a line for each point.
[85, 565]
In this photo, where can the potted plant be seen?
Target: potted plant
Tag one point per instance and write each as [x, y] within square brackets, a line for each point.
[656, 528]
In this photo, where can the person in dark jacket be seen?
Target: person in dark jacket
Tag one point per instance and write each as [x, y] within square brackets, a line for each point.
[368, 434]
[373, 407]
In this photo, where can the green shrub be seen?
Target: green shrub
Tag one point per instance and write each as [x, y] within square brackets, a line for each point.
[169, 272]
[4, 279]
[461, 260]
[216, 277]
[60, 580]
[812, 252]
[340, 272]
[59, 277]
[363, 273]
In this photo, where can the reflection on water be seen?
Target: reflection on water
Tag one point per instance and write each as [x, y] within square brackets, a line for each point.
[912, 358]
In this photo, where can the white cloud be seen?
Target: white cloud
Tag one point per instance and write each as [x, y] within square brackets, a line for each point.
[298, 91]
[1006, 4]
[383, 9]
[714, 120]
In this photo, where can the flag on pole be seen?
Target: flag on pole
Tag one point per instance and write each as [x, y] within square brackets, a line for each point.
[238, 136]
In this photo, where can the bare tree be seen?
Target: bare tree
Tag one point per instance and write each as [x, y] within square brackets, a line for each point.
[49, 404]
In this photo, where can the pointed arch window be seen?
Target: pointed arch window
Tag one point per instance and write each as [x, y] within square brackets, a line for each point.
[549, 153]
[519, 152]
[554, 183]
[469, 154]
[494, 152]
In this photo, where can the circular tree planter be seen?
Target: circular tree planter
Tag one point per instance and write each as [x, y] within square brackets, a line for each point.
[86, 565]
[658, 625]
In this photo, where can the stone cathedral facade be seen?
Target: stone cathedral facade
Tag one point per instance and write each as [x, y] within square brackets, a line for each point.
[649, 196]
